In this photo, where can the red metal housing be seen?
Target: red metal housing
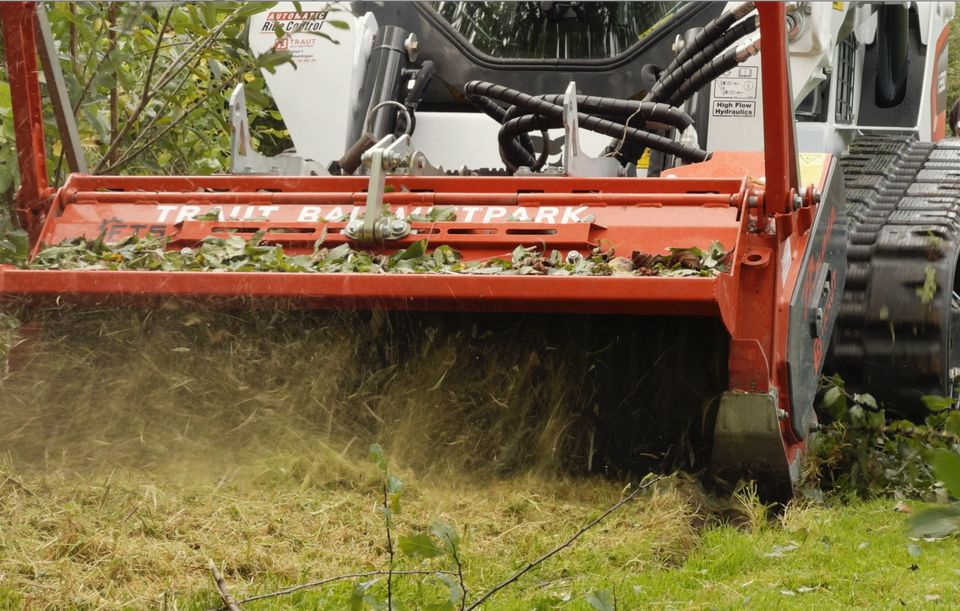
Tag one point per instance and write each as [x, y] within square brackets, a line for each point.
[761, 223]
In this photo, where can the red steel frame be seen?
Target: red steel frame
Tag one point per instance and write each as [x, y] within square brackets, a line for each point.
[700, 203]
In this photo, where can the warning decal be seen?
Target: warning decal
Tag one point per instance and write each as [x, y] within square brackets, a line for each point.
[737, 84]
[731, 108]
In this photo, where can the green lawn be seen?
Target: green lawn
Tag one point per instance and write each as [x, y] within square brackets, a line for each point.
[135, 539]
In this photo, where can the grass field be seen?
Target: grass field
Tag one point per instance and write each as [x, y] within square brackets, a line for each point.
[136, 540]
[139, 445]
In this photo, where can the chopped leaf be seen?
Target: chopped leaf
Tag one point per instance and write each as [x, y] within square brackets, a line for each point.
[935, 522]
[211, 215]
[419, 545]
[601, 600]
[240, 253]
[946, 465]
[448, 536]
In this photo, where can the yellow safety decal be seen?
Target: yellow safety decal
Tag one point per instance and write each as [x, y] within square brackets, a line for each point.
[644, 162]
[811, 168]
[838, 6]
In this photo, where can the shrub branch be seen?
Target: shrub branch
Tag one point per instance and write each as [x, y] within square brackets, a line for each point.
[327, 580]
[535, 563]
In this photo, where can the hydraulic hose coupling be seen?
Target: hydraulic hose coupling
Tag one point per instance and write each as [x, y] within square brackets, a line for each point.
[745, 52]
[742, 10]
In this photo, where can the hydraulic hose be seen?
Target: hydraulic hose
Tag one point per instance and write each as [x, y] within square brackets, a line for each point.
[618, 111]
[713, 69]
[671, 81]
[414, 96]
[514, 153]
[691, 62]
[622, 109]
[593, 123]
[514, 161]
[713, 30]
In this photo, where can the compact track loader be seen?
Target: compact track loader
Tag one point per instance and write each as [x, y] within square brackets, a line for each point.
[631, 133]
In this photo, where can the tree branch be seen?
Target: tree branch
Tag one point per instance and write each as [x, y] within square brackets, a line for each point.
[178, 64]
[130, 155]
[326, 580]
[153, 58]
[96, 71]
[386, 513]
[535, 563]
[463, 585]
[225, 596]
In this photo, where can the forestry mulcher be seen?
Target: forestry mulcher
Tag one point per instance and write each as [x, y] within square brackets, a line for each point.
[769, 180]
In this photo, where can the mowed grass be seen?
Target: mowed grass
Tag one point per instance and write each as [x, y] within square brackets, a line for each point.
[136, 540]
[137, 445]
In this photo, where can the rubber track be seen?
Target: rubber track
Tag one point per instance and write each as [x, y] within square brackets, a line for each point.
[903, 214]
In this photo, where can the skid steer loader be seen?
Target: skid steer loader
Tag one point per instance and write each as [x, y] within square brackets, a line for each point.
[805, 139]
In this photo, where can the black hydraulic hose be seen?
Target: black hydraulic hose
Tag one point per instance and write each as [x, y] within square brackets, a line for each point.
[613, 109]
[414, 96]
[625, 111]
[628, 152]
[488, 107]
[514, 154]
[671, 81]
[606, 108]
[713, 30]
[420, 82]
[622, 109]
[499, 114]
[593, 123]
[514, 161]
[708, 73]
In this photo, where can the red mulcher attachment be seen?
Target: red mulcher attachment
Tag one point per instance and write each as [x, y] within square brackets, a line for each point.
[778, 236]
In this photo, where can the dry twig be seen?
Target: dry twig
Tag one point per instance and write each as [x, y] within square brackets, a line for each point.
[535, 563]
[326, 580]
[225, 596]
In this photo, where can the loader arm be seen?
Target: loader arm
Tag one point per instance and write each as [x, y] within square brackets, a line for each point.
[782, 237]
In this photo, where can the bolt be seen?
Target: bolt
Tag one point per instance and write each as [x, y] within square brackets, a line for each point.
[782, 414]
[398, 226]
[573, 256]
[677, 45]
[353, 227]
[412, 45]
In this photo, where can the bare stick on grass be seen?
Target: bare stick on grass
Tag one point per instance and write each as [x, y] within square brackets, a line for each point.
[326, 580]
[535, 563]
[456, 559]
[225, 595]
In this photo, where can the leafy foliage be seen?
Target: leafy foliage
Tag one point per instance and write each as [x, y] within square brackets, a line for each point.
[442, 542]
[169, 68]
[14, 246]
[236, 253]
[860, 452]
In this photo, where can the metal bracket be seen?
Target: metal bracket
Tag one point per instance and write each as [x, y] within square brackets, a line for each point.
[391, 155]
[245, 160]
[57, 88]
[575, 162]
[748, 443]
